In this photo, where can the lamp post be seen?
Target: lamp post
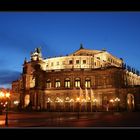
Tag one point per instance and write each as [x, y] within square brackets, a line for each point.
[78, 101]
[1, 103]
[95, 101]
[112, 104]
[91, 104]
[7, 107]
[5, 95]
[117, 100]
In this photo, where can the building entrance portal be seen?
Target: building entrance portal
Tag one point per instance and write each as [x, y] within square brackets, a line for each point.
[130, 102]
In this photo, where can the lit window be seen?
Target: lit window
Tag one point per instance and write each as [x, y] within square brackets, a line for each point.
[84, 61]
[67, 83]
[77, 82]
[57, 83]
[77, 61]
[87, 83]
[48, 84]
[70, 62]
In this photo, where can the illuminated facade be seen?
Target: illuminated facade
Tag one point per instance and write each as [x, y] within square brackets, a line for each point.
[86, 80]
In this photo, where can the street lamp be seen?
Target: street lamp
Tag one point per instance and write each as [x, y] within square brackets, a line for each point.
[95, 101]
[72, 102]
[117, 100]
[1, 95]
[1, 103]
[78, 101]
[112, 103]
[7, 95]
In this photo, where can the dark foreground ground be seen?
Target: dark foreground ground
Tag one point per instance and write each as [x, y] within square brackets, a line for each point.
[67, 119]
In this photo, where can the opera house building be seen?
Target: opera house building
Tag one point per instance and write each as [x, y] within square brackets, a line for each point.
[86, 81]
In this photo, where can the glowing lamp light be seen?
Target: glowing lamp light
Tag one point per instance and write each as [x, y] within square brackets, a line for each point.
[71, 100]
[95, 100]
[111, 100]
[83, 100]
[58, 100]
[67, 99]
[78, 99]
[117, 100]
[1, 94]
[16, 102]
[88, 98]
[7, 95]
[49, 100]
[61, 100]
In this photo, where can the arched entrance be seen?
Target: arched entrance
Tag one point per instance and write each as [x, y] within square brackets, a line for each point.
[26, 100]
[130, 102]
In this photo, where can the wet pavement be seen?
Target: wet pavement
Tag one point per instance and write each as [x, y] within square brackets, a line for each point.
[71, 119]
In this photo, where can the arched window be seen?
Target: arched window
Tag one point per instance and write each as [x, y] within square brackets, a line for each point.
[87, 82]
[77, 82]
[67, 83]
[48, 83]
[57, 83]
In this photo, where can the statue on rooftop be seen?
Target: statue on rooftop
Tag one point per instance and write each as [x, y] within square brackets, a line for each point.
[81, 46]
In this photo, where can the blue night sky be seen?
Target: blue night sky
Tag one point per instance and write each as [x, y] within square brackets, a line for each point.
[60, 33]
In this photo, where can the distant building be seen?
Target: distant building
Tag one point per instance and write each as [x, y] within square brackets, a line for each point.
[86, 80]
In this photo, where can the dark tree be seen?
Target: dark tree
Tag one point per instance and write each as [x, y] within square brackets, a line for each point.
[81, 46]
[38, 50]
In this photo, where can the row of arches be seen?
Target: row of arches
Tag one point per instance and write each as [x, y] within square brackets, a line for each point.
[70, 104]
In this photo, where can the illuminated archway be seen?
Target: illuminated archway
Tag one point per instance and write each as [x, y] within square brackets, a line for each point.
[130, 101]
[26, 100]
